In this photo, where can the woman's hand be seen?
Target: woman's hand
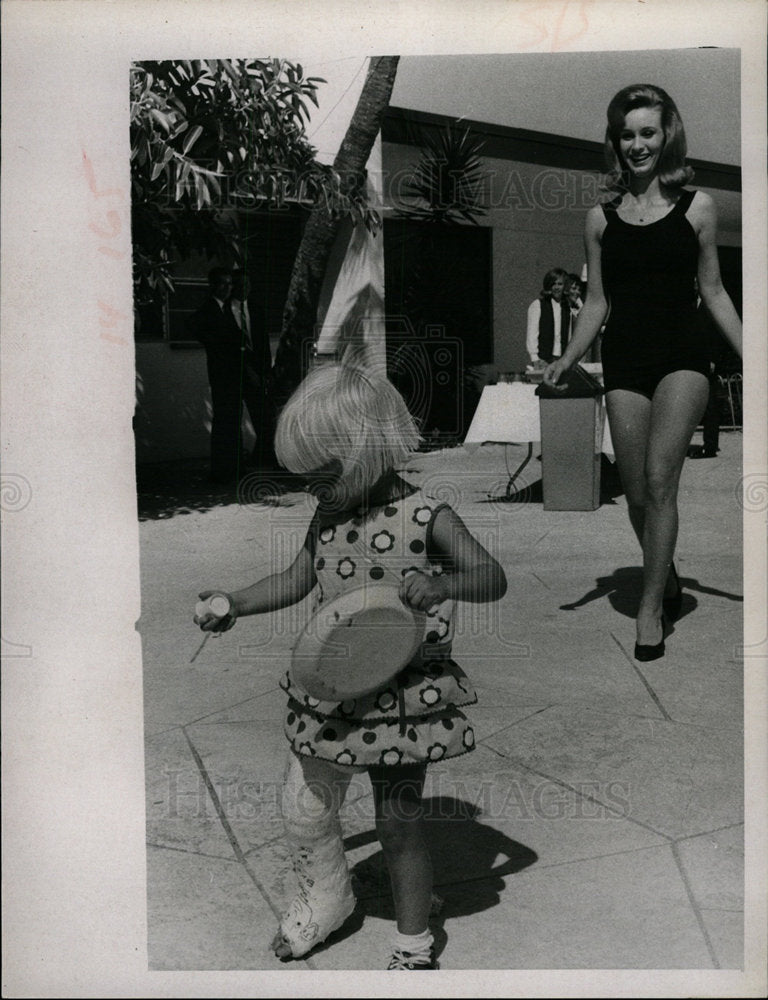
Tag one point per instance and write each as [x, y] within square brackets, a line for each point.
[423, 592]
[208, 620]
[553, 373]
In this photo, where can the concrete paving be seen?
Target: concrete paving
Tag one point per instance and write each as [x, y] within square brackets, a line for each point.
[599, 824]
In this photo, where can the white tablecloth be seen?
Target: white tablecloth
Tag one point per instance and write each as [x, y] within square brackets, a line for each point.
[509, 411]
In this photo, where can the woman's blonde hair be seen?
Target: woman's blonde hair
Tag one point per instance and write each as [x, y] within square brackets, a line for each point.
[673, 171]
[343, 413]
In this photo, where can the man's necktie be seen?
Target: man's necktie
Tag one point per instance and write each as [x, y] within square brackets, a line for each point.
[240, 310]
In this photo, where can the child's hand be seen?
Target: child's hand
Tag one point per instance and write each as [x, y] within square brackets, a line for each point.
[423, 592]
[207, 618]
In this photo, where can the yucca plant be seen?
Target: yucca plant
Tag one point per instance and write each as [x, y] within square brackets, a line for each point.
[448, 179]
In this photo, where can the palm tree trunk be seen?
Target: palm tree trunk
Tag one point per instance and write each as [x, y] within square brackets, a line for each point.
[300, 313]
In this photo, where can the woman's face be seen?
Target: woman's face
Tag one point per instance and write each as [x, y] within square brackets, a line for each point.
[641, 141]
[556, 291]
[574, 294]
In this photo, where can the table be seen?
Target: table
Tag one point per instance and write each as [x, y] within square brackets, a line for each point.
[509, 412]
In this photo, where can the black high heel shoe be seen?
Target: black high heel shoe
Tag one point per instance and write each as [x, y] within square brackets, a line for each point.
[673, 605]
[652, 651]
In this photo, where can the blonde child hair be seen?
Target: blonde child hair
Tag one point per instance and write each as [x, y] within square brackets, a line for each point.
[342, 413]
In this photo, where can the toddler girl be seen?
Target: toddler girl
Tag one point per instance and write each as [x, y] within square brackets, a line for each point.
[347, 431]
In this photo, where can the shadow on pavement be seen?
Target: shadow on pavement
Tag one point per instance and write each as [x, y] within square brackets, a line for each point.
[465, 860]
[624, 587]
[610, 488]
[168, 489]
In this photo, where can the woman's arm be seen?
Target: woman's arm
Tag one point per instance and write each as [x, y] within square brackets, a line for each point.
[703, 217]
[592, 314]
[532, 331]
[279, 590]
[474, 574]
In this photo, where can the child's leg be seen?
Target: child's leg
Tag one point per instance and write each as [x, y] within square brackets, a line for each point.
[400, 828]
[313, 792]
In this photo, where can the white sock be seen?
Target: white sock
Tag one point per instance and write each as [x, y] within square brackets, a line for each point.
[414, 944]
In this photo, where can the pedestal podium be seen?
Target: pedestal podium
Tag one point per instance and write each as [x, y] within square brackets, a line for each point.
[571, 441]
[509, 413]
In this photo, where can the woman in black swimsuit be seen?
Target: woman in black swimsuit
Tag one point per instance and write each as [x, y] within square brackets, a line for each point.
[644, 250]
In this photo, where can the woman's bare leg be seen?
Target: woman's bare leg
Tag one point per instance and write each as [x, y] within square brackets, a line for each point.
[676, 409]
[629, 415]
[650, 439]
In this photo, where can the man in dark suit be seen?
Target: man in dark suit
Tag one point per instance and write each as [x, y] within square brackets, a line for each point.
[256, 381]
[214, 324]
[717, 353]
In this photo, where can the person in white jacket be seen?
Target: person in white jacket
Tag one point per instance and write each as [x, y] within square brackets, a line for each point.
[549, 320]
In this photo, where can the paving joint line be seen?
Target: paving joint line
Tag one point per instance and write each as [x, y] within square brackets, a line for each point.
[511, 725]
[694, 905]
[482, 743]
[192, 854]
[609, 854]
[721, 909]
[588, 798]
[228, 708]
[535, 867]
[172, 727]
[654, 697]
[532, 869]
[708, 833]
[238, 851]
[211, 789]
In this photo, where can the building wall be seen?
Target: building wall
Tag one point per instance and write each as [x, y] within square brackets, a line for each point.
[173, 404]
[537, 214]
[172, 419]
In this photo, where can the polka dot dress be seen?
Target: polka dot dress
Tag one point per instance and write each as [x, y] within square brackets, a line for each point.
[415, 717]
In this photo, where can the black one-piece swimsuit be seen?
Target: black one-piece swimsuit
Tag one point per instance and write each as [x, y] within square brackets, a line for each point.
[648, 279]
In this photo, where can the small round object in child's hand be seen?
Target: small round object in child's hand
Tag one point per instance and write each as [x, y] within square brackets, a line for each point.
[356, 642]
[217, 605]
